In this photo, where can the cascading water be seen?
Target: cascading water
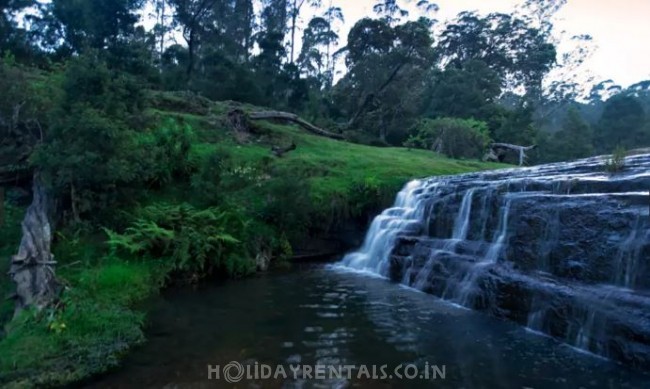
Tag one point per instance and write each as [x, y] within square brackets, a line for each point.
[561, 248]
[461, 227]
[404, 216]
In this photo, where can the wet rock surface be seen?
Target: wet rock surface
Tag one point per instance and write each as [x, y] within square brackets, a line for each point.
[563, 249]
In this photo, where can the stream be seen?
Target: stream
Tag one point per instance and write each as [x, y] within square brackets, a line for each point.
[327, 315]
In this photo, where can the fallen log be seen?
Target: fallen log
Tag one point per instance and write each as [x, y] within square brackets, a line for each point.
[496, 152]
[290, 117]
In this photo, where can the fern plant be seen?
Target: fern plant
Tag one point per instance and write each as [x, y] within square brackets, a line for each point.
[199, 242]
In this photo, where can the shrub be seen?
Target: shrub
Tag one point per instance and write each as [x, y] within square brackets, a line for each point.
[616, 161]
[455, 138]
[198, 242]
[366, 197]
[90, 151]
[206, 182]
[286, 205]
[166, 153]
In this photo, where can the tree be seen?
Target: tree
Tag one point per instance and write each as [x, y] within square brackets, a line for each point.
[90, 148]
[241, 28]
[163, 25]
[270, 39]
[390, 11]
[387, 67]
[23, 121]
[227, 25]
[520, 54]
[332, 15]
[193, 16]
[317, 37]
[13, 37]
[575, 139]
[466, 92]
[219, 37]
[100, 24]
[455, 138]
[295, 7]
[621, 124]
[539, 13]
[517, 126]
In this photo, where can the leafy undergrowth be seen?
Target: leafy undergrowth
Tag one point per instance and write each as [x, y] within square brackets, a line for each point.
[269, 201]
[94, 325]
[9, 240]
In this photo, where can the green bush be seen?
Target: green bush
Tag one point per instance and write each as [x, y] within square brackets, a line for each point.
[206, 182]
[165, 153]
[366, 197]
[198, 242]
[616, 161]
[455, 138]
[90, 151]
[286, 205]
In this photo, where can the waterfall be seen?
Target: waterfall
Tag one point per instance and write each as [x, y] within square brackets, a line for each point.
[497, 247]
[461, 227]
[406, 213]
[561, 248]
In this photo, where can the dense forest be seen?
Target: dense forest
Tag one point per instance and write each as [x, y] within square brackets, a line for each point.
[121, 109]
[502, 73]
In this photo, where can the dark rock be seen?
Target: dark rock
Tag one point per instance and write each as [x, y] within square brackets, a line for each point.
[561, 248]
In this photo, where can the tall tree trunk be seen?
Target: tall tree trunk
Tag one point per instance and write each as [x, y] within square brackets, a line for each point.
[191, 48]
[163, 28]
[329, 44]
[295, 12]
[32, 269]
[294, 18]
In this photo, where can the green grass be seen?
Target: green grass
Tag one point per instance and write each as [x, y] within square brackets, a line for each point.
[98, 319]
[339, 173]
[96, 327]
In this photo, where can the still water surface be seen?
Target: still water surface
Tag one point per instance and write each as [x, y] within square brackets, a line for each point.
[323, 315]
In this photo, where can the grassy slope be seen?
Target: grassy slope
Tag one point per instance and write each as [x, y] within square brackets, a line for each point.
[335, 165]
[100, 322]
[333, 168]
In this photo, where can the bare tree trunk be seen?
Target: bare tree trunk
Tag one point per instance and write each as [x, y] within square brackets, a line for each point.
[329, 31]
[295, 12]
[293, 35]
[163, 27]
[32, 269]
[191, 53]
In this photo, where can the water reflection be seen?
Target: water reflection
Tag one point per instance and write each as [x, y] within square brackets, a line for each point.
[326, 316]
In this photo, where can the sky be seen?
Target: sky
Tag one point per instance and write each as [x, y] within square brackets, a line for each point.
[620, 28]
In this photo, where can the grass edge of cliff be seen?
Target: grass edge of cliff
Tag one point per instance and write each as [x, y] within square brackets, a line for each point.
[101, 315]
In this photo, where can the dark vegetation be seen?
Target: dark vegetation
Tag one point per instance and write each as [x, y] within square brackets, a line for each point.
[152, 185]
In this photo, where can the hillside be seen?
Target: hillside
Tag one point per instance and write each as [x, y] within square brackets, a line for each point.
[306, 194]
